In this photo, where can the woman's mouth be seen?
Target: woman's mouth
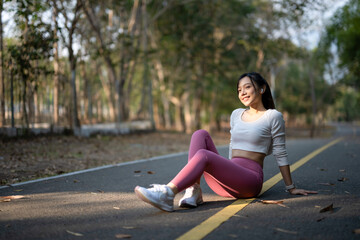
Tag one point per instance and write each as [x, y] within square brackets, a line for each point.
[245, 98]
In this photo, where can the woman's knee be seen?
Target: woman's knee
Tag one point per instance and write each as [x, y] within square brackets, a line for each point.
[200, 133]
[202, 154]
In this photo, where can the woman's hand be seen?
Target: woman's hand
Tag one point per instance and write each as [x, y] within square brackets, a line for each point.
[296, 191]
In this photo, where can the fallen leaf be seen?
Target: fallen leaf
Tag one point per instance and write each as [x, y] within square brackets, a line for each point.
[13, 197]
[356, 231]
[76, 181]
[122, 236]
[137, 171]
[327, 209]
[282, 205]
[271, 201]
[18, 190]
[277, 202]
[150, 172]
[343, 179]
[285, 231]
[75, 233]
[129, 227]
[327, 184]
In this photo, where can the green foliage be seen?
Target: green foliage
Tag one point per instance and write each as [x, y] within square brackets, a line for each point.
[347, 105]
[35, 42]
[344, 30]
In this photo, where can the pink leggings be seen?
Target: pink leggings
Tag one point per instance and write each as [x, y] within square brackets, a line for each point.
[238, 177]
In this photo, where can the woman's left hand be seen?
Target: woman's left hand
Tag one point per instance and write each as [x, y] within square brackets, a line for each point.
[296, 191]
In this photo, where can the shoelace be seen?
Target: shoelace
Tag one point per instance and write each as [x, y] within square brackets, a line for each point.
[158, 188]
[189, 192]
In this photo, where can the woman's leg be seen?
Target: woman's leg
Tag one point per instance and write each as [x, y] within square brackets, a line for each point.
[201, 139]
[226, 177]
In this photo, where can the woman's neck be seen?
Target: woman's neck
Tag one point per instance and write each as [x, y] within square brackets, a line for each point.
[256, 109]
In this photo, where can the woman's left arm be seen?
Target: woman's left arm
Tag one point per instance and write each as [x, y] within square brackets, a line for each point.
[285, 172]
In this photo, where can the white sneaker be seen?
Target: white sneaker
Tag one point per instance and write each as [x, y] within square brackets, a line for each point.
[192, 197]
[160, 196]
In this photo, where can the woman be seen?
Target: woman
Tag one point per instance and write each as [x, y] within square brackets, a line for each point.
[256, 132]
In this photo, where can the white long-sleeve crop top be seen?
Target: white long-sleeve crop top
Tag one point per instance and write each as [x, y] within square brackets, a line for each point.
[264, 135]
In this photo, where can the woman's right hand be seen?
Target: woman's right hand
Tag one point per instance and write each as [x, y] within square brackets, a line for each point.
[297, 191]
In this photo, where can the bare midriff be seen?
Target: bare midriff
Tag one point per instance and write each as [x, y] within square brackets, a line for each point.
[255, 156]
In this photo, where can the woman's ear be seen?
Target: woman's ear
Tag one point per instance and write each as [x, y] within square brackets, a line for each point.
[262, 89]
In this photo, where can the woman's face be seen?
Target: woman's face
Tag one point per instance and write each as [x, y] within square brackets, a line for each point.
[247, 93]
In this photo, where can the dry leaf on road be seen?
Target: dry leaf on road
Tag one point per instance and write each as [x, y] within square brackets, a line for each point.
[129, 227]
[13, 197]
[122, 236]
[271, 201]
[343, 179]
[327, 184]
[277, 202]
[75, 233]
[285, 231]
[327, 209]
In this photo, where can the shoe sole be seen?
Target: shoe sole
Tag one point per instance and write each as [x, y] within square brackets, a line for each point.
[140, 195]
[187, 205]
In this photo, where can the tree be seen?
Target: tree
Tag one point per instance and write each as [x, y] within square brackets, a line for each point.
[32, 49]
[123, 37]
[71, 14]
[344, 31]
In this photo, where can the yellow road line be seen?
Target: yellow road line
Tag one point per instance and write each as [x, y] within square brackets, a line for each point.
[210, 224]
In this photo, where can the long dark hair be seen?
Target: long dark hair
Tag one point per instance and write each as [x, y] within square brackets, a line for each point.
[258, 81]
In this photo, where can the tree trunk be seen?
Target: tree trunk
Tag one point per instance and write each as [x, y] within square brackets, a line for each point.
[313, 99]
[75, 116]
[146, 65]
[99, 109]
[23, 98]
[2, 81]
[107, 91]
[127, 96]
[163, 90]
[56, 72]
[213, 102]
[12, 95]
[185, 99]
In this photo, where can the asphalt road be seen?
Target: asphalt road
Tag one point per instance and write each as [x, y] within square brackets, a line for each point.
[100, 204]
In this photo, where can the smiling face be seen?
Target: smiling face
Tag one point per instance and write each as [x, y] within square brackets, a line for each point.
[248, 94]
